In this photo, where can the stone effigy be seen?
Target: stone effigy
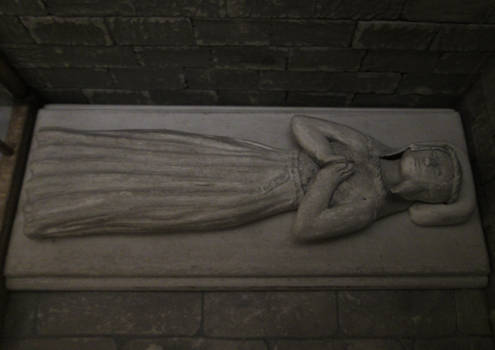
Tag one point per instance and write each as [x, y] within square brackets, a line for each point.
[162, 181]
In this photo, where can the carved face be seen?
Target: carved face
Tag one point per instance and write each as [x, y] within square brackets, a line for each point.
[427, 176]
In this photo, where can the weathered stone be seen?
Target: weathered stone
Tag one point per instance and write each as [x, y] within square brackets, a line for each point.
[454, 344]
[488, 82]
[250, 58]
[20, 315]
[472, 11]
[184, 56]
[221, 79]
[273, 314]
[251, 98]
[70, 56]
[394, 100]
[339, 344]
[465, 38]
[483, 136]
[473, 103]
[358, 9]
[394, 35]
[13, 32]
[194, 344]
[68, 31]
[63, 96]
[145, 78]
[433, 84]
[76, 78]
[312, 33]
[232, 32]
[309, 99]
[22, 7]
[399, 61]
[184, 97]
[325, 59]
[472, 312]
[397, 313]
[90, 7]
[172, 8]
[118, 97]
[119, 313]
[284, 8]
[459, 63]
[330, 82]
[59, 344]
[32, 77]
[151, 31]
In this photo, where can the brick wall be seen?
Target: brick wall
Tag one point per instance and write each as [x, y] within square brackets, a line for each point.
[249, 52]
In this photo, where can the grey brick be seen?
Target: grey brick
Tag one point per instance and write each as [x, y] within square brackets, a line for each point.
[313, 99]
[59, 344]
[184, 97]
[454, 344]
[330, 82]
[251, 98]
[125, 97]
[400, 61]
[151, 31]
[238, 32]
[431, 84]
[20, 314]
[221, 79]
[270, 314]
[68, 30]
[260, 58]
[393, 100]
[483, 136]
[472, 11]
[473, 103]
[472, 312]
[22, 7]
[359, 9]
[32, 77]
[184, 56]
[148, 78]
[74, 78]
[12, 31]
[194, 344]
[397, 313]
[465, 38]
[105, 313]
[312, 33]
[172, 8]
[70, 56]
[340, 344]
[488, 82]
[394, 35]
[460, 63]
[63, 96]
[325, 59]
[90, 7]
[279, 8]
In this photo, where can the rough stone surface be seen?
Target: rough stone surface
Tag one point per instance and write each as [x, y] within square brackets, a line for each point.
[156, 78]
[325, 59]
[358, 9]
[172, 56]
[340, 344]
[275, 314]
[90, 7]
[392, 100]
[22, 7]
[399, 61]
[312, 33]
[151, 31]
[455, 344]
[432, 84]
[260, 58]
[184, 97]
[13, 32]
[472, 11]
[20, 315]
[119, 313]
[310, 99]
[472, 317]
[465, 38]
[59, 344]
[284, 8]
[68, 31]
[194, 344]
[221, 79]
[75, 78]
[459, 63]
[169, 8]
[63, 96]
[238, 32]
[394, 35]
[117, 97]
[251, 98]
[397, 313]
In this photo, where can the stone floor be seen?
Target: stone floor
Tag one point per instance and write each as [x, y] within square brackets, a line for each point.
[320, 320]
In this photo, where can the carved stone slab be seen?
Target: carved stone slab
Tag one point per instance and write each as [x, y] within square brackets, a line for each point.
[392, 253]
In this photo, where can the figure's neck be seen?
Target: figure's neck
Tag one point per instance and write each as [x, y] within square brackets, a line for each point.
[390, 172]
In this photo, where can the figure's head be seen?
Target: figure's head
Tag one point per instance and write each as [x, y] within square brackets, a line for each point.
[429, 173]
